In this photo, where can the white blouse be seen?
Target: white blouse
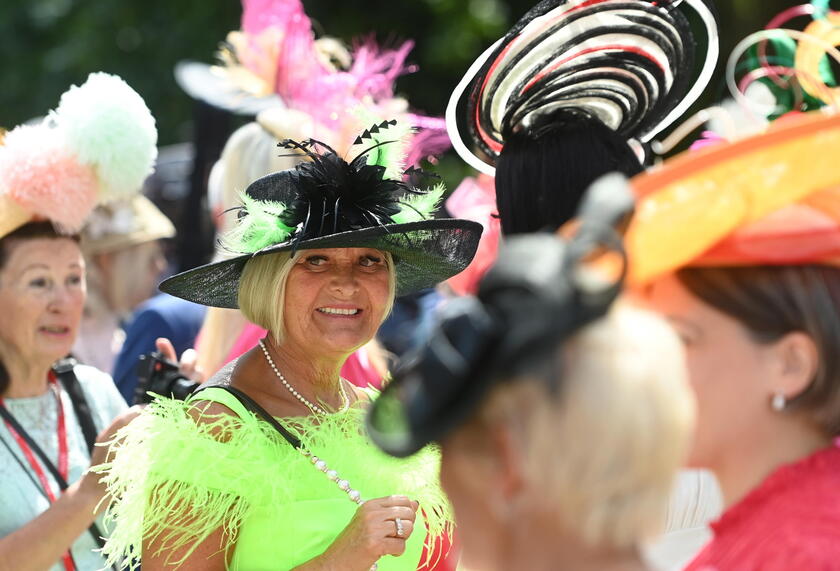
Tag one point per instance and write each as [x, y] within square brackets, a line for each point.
[695, 502]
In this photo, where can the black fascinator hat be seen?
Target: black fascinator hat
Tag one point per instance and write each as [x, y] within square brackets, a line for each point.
[327, 202]
[540, 292]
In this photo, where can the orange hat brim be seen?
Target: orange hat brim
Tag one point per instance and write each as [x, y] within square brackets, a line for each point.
[701, 198]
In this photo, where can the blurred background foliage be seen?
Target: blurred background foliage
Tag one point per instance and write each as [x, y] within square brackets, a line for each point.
[46, 45]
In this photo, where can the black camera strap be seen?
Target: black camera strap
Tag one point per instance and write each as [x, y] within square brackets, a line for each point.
[82, 414]
[252, 406]
[65, 373]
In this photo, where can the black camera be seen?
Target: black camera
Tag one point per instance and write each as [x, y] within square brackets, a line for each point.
[161, 377]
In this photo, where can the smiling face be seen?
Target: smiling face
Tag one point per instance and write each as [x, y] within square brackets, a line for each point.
[42, 293]
[336, 299]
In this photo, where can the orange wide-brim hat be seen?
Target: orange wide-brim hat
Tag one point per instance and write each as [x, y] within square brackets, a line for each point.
[771, 199]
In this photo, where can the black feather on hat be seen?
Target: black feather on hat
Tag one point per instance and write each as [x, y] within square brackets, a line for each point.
[328, 202]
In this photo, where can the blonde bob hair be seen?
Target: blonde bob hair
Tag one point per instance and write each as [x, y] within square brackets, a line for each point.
[269, 273]
[602, 452]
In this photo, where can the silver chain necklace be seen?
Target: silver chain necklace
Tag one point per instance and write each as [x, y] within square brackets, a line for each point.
[314, 408]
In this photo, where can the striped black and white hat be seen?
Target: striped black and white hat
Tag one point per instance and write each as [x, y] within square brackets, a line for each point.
[628, 63]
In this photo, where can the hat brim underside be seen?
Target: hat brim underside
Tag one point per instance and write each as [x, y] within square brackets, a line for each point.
[199, 82]
[425, 254]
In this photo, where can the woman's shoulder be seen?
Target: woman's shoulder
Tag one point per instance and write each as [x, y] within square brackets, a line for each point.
[216, 397]
[105, 400]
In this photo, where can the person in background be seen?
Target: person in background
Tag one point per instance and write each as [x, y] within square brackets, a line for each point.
[122, 244]
[58, 416]
[748, 279]
[561, 422]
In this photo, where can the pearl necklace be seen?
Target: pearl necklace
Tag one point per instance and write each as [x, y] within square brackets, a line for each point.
[354, 495]
[314, 408]
[343, 485]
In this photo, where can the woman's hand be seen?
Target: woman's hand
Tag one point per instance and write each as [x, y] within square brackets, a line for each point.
[90, 483]
[372, 533]
[187, 365]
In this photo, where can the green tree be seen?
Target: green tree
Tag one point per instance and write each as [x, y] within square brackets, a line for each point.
[46, 45]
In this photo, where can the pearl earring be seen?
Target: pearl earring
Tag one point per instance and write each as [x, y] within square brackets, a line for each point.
[779, 402]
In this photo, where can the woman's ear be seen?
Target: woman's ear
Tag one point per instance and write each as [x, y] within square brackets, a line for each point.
[797, 360]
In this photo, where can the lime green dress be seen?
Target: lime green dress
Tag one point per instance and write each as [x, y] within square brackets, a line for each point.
[178, 480]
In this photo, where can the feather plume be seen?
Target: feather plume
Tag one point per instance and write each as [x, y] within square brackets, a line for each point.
[336, 196]
[107, 125]
[259, 225]
[417, 207]
[386, 144]
[327, 195]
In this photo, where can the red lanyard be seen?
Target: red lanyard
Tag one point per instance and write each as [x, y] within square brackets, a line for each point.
[61, 435]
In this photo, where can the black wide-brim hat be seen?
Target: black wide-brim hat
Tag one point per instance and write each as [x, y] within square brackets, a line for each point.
[425, 253]
[327, 202]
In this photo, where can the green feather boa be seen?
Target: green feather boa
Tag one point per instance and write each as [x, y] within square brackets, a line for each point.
[178, 480]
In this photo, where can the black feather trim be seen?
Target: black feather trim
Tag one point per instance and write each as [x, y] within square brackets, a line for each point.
[332, 195]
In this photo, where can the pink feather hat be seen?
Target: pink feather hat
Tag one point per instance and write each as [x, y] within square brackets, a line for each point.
[274, 63]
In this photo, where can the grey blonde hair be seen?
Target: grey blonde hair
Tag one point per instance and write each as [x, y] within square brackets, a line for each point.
[603, 451]
[269, 273]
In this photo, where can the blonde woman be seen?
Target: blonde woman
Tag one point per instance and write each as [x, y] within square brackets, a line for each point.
[273, 448]
[250, 153]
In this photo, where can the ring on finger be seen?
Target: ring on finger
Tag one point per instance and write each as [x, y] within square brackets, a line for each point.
[400, 530]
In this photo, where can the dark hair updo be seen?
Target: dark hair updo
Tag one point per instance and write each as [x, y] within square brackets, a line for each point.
[543, 171]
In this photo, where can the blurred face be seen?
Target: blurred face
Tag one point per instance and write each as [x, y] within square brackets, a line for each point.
[335, 299]
[42, 292]
[132, 274]
[728, 370]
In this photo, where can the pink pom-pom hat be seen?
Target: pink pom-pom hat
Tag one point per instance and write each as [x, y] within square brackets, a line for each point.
[43, 178]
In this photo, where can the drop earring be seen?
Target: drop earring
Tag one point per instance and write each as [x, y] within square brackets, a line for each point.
[779, 402]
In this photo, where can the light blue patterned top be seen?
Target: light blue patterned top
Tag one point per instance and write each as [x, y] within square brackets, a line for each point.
[20, 500]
